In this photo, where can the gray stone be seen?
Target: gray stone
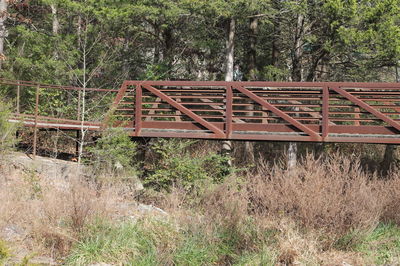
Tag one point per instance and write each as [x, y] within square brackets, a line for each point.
[13, 233]
[150, 209]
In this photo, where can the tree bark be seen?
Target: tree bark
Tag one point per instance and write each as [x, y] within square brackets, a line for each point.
[389, 157]
[230, 49]
[3, 29]
[252, 75]
[252, 53]
[168, 56]
[56, 24]
[297, 70]
[297, 75]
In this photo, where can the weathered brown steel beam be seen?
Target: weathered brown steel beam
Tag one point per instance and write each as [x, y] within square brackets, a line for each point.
[278, 112]
[367, 107]
[184, 110]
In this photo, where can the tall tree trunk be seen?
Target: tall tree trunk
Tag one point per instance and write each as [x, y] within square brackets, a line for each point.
[252, 53]
[390, 151]
[56, 24]
[55, 28]
[297, 75]
[252, 73]
[3, 29]
[168, 55]
[230, 49]
[297, 70]
[275, 46]
[83, 97]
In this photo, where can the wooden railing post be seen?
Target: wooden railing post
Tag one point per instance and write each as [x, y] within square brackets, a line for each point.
[138, 109]
[325, 112]
[36, 121]
[228, 111]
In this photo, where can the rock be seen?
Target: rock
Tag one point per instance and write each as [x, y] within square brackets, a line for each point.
[118, 166]
[55, 172]
[138, 186]
[150, 209]
[13, 233]
[40, 260]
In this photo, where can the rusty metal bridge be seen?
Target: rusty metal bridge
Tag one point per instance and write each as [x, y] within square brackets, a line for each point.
[269, 111]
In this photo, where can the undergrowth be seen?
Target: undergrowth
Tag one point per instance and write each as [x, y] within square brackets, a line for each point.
[4, 252]
[173, 164]
[327, 211]
[381, 246]
[7, 129]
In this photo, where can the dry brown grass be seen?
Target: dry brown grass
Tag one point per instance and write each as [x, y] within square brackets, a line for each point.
[302, 215]
[334, 195]
[50, 217]
[391, 192]
[321, 205]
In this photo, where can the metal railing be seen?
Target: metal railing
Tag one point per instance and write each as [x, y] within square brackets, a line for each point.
[276, 111]
[280, 111]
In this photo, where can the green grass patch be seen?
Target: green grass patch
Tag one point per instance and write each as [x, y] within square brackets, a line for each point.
[132, 243]
[196, 250]
[263, 257]
[104, 242]
[4, 252]
[382, 246]
[157, 242]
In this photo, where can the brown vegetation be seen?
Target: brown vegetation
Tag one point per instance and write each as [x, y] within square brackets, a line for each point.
[50, 217]
[313, 215]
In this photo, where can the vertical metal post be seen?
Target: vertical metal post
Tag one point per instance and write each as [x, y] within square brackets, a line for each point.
[325, 112]
[357, 111]
[78, 139]
[228, 111]
[18, 97]
[138, 110]
[36, 121]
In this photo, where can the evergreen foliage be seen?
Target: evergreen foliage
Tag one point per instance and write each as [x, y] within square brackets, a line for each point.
[184, 39]
[114, 153]
[175, 166]
[7, 129]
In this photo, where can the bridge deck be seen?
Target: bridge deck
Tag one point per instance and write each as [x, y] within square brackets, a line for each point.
[274, 111]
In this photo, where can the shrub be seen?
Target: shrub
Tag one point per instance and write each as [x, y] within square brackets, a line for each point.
[141, 242]
[174, 165]
[333, 195]
[114, 153]
[7, 129]
[390, 190]
[4, 252]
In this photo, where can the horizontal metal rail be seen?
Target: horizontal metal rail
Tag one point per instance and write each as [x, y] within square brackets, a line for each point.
[273, 111]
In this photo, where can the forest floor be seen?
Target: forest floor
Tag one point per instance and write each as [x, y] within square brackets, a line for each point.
[324, 213]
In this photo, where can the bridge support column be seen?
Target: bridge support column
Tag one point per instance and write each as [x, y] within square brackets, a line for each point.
[35, 132]
[389, 158]
[78, 137]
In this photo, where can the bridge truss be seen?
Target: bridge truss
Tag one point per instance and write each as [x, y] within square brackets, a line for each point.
[269, 111]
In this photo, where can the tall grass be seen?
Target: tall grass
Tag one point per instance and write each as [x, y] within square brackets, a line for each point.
[325, 211]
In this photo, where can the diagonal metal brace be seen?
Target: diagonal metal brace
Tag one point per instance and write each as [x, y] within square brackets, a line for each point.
[279, 113]
[218, 133]
[367, 107]
[114, 106]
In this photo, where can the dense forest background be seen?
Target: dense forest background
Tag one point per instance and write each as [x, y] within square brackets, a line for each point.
[335, 209]
[101, 43]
